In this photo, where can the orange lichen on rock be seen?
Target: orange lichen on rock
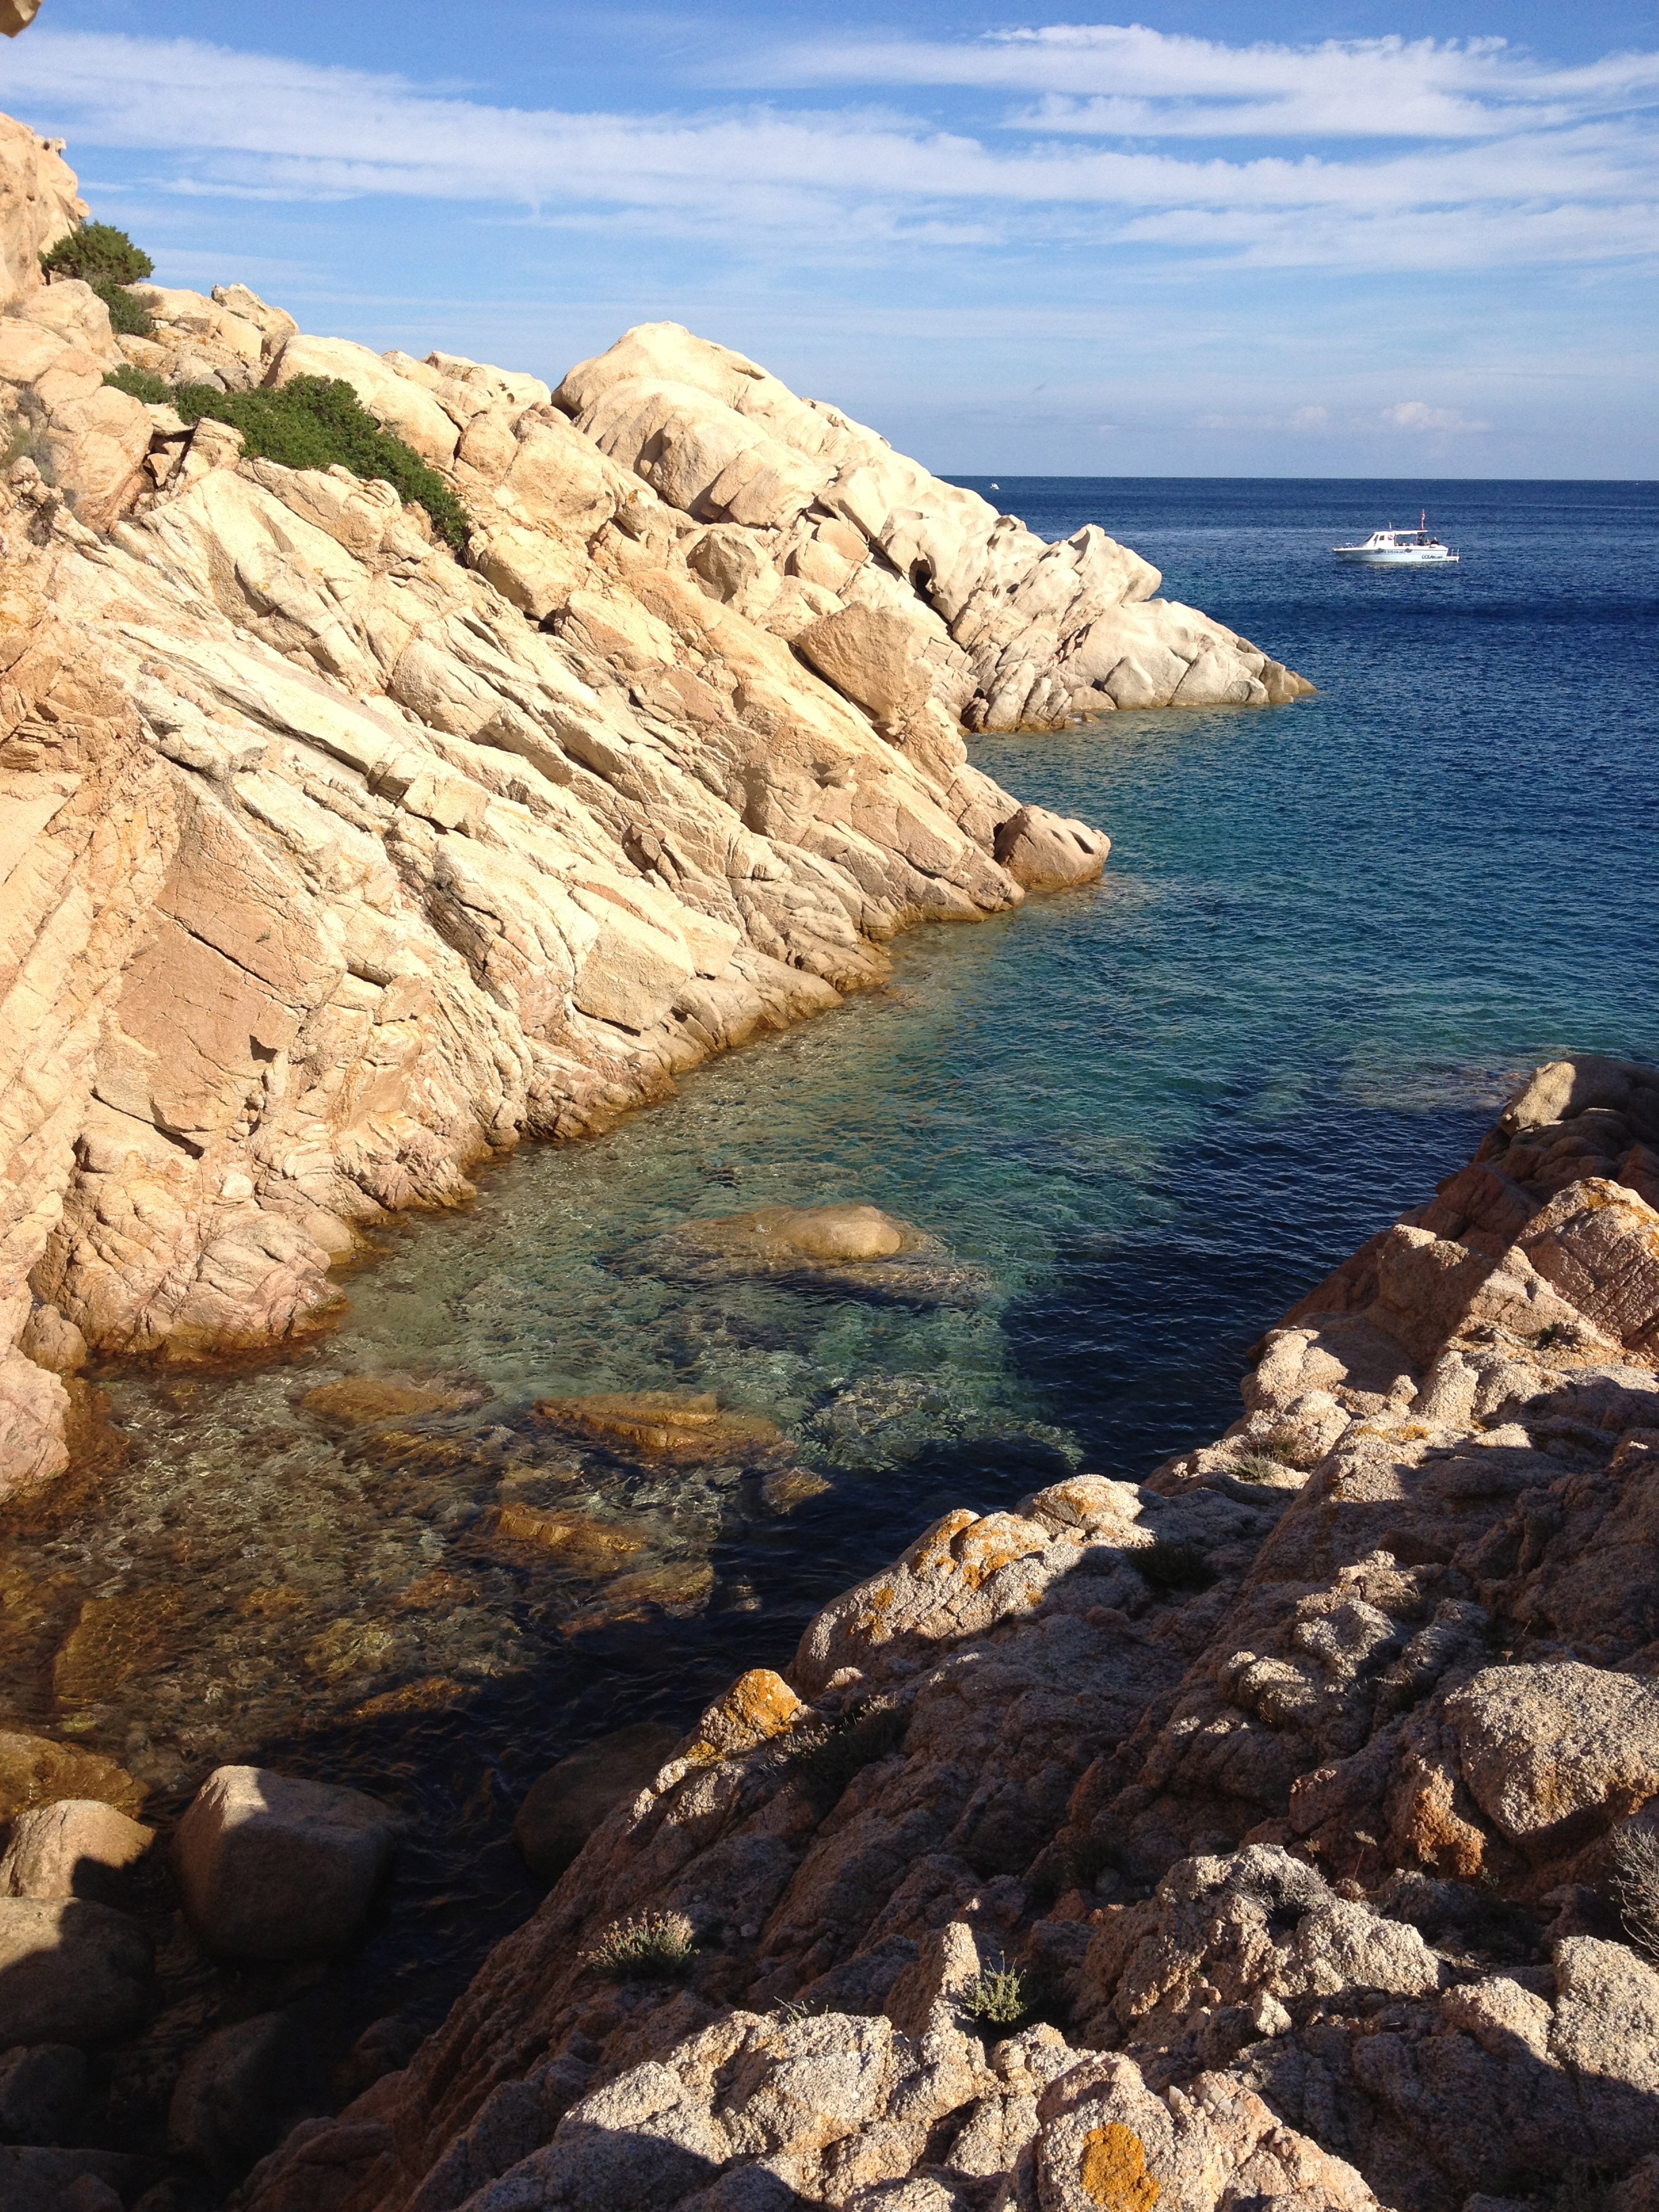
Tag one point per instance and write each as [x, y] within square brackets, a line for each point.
[1115, 2170]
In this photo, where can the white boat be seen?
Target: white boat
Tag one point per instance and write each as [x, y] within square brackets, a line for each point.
[1399, 548]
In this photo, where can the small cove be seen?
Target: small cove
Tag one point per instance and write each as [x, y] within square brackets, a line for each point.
[1152, 1113]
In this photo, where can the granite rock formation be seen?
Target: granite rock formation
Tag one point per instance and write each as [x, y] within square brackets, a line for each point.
[1295, 1785]
[330, 864]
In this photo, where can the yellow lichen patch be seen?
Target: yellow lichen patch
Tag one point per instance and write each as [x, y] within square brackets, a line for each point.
[935, 1549]
[995, 1542]
[1115, 2173]
[758, 1704]
[870, 1623]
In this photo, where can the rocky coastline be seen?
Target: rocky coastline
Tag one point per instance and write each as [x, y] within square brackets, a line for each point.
[1280, 1833]
[334, 864]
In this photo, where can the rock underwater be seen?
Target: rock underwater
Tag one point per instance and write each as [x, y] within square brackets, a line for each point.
[1305, 1790]
[330, 864]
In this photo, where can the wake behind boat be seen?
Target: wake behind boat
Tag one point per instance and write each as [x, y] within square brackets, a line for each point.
[1398, 549]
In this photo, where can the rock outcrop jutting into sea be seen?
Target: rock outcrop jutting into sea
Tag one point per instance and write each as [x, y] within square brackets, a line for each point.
[1305, 1799]
[331, 863]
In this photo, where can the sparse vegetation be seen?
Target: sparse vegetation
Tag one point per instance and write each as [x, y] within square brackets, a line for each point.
[999, 1996]
[1635, 1887]
[829, 1753]
[106, 258]
[1168, 1567]
[651, 1947]
[1256, 1467]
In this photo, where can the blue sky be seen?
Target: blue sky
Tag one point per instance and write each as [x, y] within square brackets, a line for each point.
[1300, 240]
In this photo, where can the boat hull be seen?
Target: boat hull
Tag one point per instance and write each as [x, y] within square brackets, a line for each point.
[1396, 557]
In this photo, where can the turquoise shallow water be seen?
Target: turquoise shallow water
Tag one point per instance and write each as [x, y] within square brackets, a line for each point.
[1330, 938]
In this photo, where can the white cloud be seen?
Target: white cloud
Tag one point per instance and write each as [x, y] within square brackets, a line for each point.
[1538, 167]
[1418, 415]
[1126, 79]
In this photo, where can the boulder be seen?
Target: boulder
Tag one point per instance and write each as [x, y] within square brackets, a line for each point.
[272, 1867]
[235, 2092]
[1045, 851]
[70, 1971]
[1542, 1748]
[565, 1806]
[43, 2087]
[793, 1236]
[42, 2180]
[79, 1847]
[396, 403]
[873, 655]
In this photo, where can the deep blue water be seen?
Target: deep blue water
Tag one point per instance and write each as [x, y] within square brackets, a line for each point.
[1329, 938]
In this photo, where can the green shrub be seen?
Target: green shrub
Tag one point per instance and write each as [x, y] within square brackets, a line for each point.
[98, 254]
[106, 258]
[652, 1946]
[998, 1997]
[139, 384]
[128, 317]
[320, 422]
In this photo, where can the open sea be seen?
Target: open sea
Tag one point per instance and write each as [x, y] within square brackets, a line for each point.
[1331, 936]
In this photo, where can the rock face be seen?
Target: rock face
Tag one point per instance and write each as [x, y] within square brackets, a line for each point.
[330, 865]
[1293, 1785]
[274, 1868]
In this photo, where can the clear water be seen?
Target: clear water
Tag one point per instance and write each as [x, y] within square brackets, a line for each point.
[1155, 1112]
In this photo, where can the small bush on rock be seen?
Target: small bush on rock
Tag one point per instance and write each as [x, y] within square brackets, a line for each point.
[830, 1752]
[998, 1997]
[652, 1946]
[1167, 1567]
[1256, 1467]
[1636, 1889]
[106, 258]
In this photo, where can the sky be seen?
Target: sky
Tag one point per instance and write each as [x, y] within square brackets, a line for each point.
[1388, 240]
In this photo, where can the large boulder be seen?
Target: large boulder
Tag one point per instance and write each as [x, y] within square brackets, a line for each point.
[71, 1971]
[272, 1867]
[78, 1847]
[570, 1800]
[235, 2093]
[43, 2087]
[1544, 1750]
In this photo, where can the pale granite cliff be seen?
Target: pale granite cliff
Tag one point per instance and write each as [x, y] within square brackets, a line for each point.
[1306, 1787]
[331, 863]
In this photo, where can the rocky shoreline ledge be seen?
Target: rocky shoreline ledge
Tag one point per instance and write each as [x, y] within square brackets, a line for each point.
[1281, 1833]
[334, 863]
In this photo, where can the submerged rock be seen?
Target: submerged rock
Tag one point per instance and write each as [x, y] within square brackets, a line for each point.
[362, 1401]
[34, 1770]
[857, 1250]
[678, 1425]
[569, 1801]
[582, 1541]
[272, 1867]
